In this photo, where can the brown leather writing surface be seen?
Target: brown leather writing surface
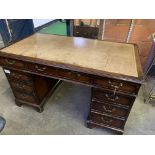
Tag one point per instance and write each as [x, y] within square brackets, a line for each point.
[87, 53]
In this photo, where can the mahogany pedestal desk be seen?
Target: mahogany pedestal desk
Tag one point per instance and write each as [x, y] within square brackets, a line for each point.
[36, 65]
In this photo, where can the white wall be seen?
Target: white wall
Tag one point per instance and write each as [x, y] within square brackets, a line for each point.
[39, 22]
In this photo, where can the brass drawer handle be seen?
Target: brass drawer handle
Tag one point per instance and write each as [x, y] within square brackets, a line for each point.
[18, 76]
[21, 86]
[40, 69]
[78, 75]
[69, 73]
[106, 120]
[112, 99]
[15, 75]
[24, 96]
[109, 109]
[115, 86]
[10, 62]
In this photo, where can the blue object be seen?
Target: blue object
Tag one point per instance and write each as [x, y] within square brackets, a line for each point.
[13, 30]
[2, 123]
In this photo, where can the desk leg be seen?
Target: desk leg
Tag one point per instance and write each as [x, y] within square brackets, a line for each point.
[30, 89]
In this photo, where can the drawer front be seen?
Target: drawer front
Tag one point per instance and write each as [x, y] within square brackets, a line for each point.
[109, 109]
[25, 97]
[121, 86]
[60, 73]
[11, 63]
[43, 69]
[106, 120]
[109, 97]
[27, 88]
[71, 75]
[17, 75]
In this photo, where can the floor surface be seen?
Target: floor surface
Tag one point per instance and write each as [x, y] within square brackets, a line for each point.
[65, 113]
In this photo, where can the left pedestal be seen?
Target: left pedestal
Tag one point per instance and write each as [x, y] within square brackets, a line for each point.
[30, 89]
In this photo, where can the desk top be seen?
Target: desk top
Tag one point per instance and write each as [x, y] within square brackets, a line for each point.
[80, 52]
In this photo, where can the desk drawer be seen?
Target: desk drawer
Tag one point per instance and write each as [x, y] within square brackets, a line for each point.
[121, 86]
[25, 97]
[57, 72]
[71, 75]
[27, 88]
[108, 109]
[106, 120]
[43, 69]
[107, 96]
[11, 63]
[14, 75]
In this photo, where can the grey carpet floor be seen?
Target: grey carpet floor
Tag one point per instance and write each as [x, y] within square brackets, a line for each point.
[65, 113]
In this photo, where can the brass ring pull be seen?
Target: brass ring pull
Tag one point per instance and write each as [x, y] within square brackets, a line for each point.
[24, 96]
[40, 69]
[106, 120]
[10, 62]
[112, 99]
[115, 86]
[17, 76]
[109, 109]
[14, 75]
[78, 75]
